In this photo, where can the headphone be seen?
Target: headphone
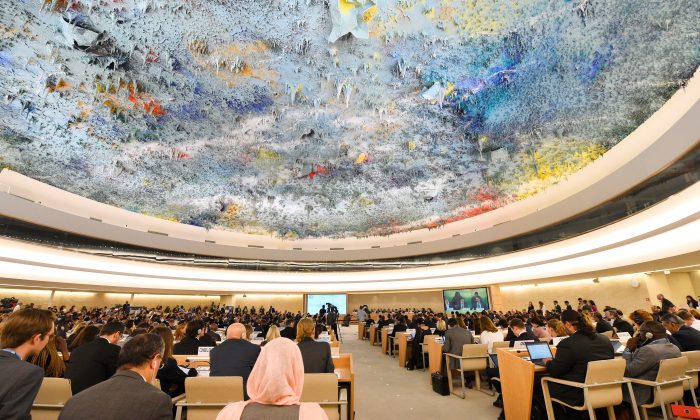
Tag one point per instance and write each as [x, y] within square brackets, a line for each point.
[647, 336]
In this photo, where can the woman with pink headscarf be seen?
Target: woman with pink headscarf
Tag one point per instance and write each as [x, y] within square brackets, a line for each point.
[274, 387]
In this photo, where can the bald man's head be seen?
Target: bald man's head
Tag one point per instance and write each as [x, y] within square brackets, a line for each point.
[235, 330]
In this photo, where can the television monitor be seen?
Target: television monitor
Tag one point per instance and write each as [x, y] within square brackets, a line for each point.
[466, 300]
[314, 302]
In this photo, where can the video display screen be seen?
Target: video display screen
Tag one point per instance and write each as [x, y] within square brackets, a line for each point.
[315, 302]
[466, 300]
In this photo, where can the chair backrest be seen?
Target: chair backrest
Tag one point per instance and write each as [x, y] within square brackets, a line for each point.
[427, 338]
[55, 391]
[479, 351]
[217, 389]
[670, 369]
[499, 345]
[602, 371]
[322, 387]
[608, 334]
[693, 365]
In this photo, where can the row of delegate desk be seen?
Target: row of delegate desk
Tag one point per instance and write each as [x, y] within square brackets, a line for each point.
[517, 374]
[344, 370]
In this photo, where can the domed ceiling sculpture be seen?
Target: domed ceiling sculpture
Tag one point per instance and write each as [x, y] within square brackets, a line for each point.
[337, 118]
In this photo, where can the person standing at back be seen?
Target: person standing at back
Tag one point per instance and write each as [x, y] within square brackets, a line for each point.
[666, 305]
[23, 334]
[96, 361]
[234, 357]
[129, 394]
[316, 355]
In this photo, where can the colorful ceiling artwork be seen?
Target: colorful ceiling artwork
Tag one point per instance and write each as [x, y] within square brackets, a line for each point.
[329, 118]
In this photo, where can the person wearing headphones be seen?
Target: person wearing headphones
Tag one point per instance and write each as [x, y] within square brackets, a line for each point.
[643, 354]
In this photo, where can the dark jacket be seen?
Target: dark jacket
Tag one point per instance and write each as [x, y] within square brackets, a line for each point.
[398, 328]
[19, 385]
[317, 356]
[125, 395]
[188, 345]
[289, 332]
[571, 363]
[688, 338]
[623, 326]
[172, 378]
[92, 363]
[602, 326]
[234, 357]
[524, 336]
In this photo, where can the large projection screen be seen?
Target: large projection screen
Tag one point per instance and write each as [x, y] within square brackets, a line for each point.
[474, 299]
[314, 302]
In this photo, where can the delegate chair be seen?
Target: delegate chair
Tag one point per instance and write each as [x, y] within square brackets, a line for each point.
[206, 396]
[322, 388]
[499, 345]
[424, 346]
[53, 395]
[602, 388]
[473, 359]
[692, 371]
[668, 386]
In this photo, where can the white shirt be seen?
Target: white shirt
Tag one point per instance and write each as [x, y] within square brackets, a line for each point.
[488, 338]
[16, 308]
[696, 324]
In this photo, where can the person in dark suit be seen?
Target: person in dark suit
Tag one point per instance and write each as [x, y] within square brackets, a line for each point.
[23, 334]
[688, 338]
[573, 354]
[316, 355]
[190, 343]
[399, 327]
[666, 305]
[129, 393]
[520, 332]
[619, 324]
[235, 356]
[289, 331]
[601, 325]
[171, 377]
[96, 361]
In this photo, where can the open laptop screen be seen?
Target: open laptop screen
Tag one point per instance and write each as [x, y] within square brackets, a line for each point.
[539, 351]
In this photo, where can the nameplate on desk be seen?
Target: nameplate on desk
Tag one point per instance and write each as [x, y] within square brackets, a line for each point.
[521, 344]
[203, 351]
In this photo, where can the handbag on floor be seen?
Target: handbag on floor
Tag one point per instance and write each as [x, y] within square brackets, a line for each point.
[440, 385]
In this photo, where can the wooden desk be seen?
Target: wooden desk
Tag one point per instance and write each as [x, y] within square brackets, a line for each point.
[385, 340]
[345, 370]
[361, 330]
[405, 348]
[372, 334]
[434, 358]
[517, 382]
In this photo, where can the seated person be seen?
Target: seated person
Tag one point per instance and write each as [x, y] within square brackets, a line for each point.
[289, 330]
[489, 333]
[519, 333]
[190, 343]
[399, 327]
[171, 377]
[316, 355]
[642, 355]
[619, 324]
[272, 333]
[539, 329]
[422, 329]
[23, 334]
[211, 334]
[688, 338]
[571, 361]
[49, 360]
[94, 362]
[455, 338]
[129, 392]
[556, 329]
[601, 324]
[234, 357]
[689, 319]
[275, 387]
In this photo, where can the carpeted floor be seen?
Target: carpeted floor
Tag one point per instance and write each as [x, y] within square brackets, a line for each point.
[387, 392]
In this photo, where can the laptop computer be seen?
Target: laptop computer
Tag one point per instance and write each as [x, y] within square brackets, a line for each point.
[623, 336]
[521, 343]
[618, 347]
[538, 352]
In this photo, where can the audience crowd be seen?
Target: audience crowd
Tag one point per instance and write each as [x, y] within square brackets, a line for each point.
[111, 355]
